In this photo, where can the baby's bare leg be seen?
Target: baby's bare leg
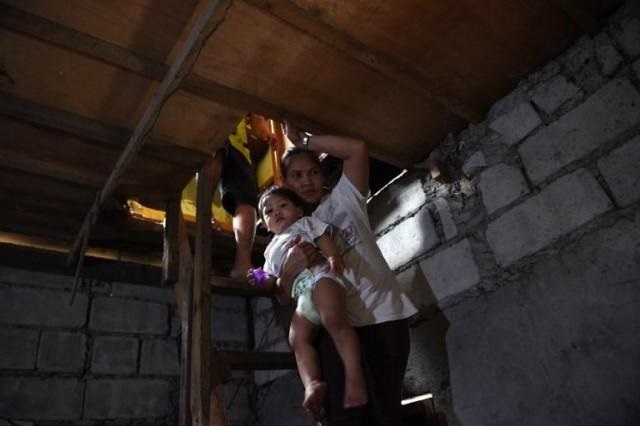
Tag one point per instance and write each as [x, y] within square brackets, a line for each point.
[329, 298]
[301, 335]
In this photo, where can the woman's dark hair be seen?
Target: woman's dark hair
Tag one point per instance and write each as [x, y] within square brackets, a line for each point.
[293, 152]
[280, 191]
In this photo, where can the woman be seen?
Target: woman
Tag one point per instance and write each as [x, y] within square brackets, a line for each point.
[378, 307]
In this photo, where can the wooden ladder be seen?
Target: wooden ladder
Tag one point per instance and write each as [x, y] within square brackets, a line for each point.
[203, 371]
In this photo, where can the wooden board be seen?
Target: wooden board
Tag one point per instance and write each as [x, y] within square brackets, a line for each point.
[56, 77]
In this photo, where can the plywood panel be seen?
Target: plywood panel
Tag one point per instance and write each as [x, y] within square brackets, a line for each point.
[474, 50]
[56, 77]
[256, 53]
[150, 27]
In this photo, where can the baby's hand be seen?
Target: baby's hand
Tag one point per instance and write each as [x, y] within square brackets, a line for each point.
[336, 264]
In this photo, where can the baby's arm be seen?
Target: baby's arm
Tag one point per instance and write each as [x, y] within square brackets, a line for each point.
[272, 282]
[330, 250]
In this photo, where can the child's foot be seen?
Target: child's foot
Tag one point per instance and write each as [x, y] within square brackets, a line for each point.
[355, 395]
[314, 396]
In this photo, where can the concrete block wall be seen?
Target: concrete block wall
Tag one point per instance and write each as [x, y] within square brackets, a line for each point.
[527, 275]
[111, 356]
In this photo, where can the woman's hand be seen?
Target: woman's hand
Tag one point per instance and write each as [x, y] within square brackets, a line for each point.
[293, 133]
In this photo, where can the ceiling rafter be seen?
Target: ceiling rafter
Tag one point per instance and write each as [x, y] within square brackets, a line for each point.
[109, 135]
[391, 68]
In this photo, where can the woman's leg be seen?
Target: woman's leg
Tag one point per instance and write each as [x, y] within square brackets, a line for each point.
[301, 339]
[329, 298]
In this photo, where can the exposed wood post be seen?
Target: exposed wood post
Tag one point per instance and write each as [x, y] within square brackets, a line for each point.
[184, 299]
[171, 246]
[201, 346]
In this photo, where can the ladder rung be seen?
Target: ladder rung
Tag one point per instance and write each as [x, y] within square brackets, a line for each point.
[230, 287]
[244, 360]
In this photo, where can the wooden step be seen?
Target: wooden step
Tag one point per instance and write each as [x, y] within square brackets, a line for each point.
[231, 287]
[247, 360]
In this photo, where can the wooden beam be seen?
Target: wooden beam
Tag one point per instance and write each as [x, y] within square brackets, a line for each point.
[184, 299]
[60, 246]
[50, 168]
[171, 245]
[211, 16]
[391, 68]
[109, 135]
[243, 360]
[201, 344]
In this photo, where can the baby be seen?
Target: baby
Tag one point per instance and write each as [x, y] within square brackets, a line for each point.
[320, 294]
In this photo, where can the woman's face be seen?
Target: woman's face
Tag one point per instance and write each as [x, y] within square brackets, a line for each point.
[305, 178]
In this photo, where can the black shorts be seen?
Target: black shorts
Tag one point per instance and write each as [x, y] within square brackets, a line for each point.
[385, 352]
[238, 181]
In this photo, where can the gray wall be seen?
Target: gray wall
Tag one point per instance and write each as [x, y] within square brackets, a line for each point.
[111, 356]
[527, 274]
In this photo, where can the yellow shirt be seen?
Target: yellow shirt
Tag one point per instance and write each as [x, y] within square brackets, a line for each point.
[239, 139]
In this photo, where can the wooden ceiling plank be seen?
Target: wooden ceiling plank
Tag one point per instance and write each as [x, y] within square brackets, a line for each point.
[82, 43]
[70, 39]
[107, 134]
[297, 17]
[49, 168]
[52, 32]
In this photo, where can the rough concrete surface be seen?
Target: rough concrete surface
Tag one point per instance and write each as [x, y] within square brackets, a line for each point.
[560, 346]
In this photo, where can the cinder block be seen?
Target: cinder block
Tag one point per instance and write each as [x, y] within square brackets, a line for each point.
[126, 398]
[62, 352]
[396, 201]
[416, 286]
[554, 93]
[501, 185]
[230, 328]
[560, 208]
[38, 279]
[475, 162]
[144, 292]
[629, 36]
[609, 112]
[446, 218]
[19, 348]
[607, 54]
[128, 316]
[516, 124]
[114, 355]
[40, 399]
[451, 271]
[160, 357]
[409, 239]
[46, 308]
[621, 171]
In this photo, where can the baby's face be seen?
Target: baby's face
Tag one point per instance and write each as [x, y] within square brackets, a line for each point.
[279, 213]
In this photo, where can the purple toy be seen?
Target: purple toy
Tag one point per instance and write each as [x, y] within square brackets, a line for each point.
[259, 276]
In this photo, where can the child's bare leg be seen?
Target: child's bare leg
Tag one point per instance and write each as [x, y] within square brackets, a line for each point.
[329, 298]
[301, 335]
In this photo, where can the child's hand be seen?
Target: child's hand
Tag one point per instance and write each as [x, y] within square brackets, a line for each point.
[336, 264]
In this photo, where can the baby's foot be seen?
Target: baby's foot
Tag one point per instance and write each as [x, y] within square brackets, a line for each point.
[314, 396]
[355, 395]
